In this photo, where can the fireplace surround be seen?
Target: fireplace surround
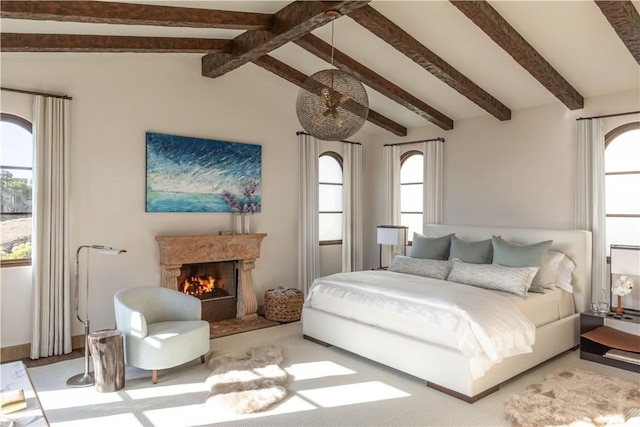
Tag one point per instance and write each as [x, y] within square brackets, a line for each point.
[244, 249]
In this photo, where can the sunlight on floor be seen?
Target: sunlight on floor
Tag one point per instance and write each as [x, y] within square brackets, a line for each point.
[352, 394]
[310, 370]
[75, 397]
[170, 390]
[128, 420]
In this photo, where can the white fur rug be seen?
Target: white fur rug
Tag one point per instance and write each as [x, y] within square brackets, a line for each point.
[247, 380]
[574, 397]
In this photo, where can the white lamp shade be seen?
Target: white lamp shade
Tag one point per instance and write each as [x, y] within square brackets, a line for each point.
[625, 260]
[392, 235]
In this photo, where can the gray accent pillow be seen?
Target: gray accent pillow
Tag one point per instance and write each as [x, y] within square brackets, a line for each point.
[430, 247]
[480, 252]
[515, 280]
[436, 269]
[505, 253]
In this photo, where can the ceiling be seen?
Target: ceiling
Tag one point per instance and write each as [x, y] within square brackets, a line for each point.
[422, 61]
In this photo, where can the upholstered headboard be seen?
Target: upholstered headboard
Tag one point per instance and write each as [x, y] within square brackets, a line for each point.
[574, 243]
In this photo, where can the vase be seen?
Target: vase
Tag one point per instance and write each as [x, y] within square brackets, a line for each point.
[246, 224]
[619, 310]
[237, 226]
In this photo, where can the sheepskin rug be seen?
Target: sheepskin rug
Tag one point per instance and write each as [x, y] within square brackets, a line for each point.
[574, 397]
[246, 381]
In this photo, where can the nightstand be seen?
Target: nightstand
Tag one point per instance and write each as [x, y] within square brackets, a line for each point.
[627, 329]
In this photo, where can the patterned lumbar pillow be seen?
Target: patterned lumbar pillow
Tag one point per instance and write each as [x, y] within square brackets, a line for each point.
[515, 280]
[436, 269]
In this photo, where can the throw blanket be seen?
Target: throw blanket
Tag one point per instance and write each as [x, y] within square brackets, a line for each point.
[484, 326]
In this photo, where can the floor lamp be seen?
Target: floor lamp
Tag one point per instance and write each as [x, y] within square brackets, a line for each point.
[395, 235]
[86, 379]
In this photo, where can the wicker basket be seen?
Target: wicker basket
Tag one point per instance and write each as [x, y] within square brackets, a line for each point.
[283, 305]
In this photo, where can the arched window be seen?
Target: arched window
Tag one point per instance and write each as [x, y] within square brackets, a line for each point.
[622, 185]
[330, 198]
[16, 163]
[411, 184]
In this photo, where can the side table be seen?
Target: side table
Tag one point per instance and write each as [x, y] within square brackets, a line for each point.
[14, 377]
[626, 328]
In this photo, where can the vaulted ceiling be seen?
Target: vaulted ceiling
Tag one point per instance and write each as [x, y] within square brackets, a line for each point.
[421, 61]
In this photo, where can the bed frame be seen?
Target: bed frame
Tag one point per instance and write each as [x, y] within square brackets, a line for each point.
[448, 370]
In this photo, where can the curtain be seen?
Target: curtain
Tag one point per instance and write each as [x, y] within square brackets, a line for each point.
[432, 188]
[352, 243]
[589, 203]
[391, 194]
[308, 240]
[51, 328]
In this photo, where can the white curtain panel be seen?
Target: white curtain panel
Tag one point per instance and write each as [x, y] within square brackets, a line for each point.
[352, 243]
[432, 188]
[590, 198]
[308, 240]
[51, 329]
[391, 194]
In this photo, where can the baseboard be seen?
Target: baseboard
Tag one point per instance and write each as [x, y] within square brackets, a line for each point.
[23, 351]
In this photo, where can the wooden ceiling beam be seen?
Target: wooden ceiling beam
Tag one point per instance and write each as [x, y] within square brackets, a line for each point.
[625, 20]
[402, 41]
[298, 78]
[375, 81]
[101, 12]
[20, 42]
[504, 35]
[291, 22]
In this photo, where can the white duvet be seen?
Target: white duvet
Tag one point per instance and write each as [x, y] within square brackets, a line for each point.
[484, 326]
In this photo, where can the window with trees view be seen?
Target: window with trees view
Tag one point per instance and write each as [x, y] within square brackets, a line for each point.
[622, 184]
[411, 184]
[16, 162]
[330, 198]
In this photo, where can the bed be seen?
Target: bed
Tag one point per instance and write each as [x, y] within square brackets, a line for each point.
[455, 370]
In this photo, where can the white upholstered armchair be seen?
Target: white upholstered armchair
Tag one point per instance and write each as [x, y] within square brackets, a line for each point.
[162, 327]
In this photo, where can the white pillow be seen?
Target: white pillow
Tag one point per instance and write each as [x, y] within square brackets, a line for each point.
[565, 268]
[433, 268]
[515, 280]
[548, 272]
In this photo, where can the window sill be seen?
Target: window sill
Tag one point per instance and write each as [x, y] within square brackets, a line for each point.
[6, 263]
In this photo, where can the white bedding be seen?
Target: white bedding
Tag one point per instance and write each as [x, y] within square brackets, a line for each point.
[483, 325]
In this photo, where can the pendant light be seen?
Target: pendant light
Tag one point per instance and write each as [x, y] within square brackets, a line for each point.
[332, 105]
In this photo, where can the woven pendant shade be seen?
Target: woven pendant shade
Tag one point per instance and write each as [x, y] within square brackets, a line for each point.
[332, 105]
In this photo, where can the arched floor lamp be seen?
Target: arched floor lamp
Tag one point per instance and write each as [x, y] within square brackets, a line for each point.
[86, 379]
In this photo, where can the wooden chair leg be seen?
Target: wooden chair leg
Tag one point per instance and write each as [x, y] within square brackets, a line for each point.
[202, 359]
[154, 376]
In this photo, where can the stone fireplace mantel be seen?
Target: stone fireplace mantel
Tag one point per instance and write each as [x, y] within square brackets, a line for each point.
[244, 248]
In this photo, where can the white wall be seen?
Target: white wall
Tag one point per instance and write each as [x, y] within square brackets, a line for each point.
[515, 173]
[116, 99]
[518, 173]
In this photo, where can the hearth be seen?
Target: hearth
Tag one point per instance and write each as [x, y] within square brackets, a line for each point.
[215, 284]
[181, 265]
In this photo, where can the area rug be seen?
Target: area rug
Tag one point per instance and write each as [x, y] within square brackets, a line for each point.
[246, 381]
[574, 397]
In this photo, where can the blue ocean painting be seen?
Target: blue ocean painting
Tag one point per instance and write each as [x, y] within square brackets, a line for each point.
[202, 175]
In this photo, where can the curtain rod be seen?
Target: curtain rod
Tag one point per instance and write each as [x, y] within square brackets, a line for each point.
[609, 115]
[346, 142]
[415, 142]
[30, 92]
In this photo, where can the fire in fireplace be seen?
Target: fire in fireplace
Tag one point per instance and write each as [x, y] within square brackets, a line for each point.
[215, 284]
[204, 287]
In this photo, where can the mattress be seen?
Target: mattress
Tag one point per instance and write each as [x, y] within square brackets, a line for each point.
[542, 309]
[483, 325]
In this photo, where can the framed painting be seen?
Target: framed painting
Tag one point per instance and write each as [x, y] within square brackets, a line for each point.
[202, 175]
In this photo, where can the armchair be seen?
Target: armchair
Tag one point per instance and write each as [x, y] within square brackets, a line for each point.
[162, 327]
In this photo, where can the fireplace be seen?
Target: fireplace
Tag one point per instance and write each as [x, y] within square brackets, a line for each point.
[216, 268]
[215, 284]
